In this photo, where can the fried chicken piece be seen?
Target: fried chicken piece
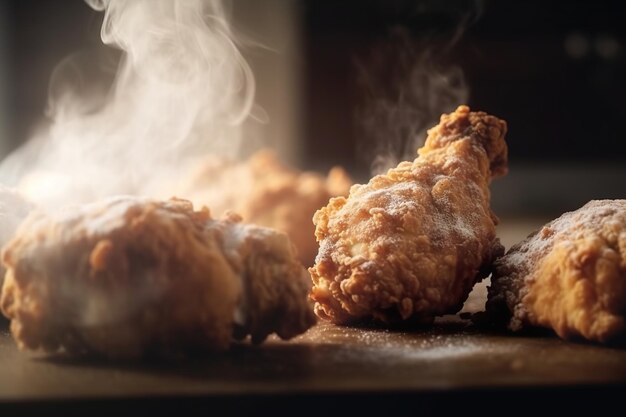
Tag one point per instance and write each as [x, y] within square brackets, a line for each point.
[570, 276]
[410, 244]
[130, 276]
[266, 192]
[13, 209]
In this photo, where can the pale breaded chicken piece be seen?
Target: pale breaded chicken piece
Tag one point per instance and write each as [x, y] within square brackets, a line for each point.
[570, 276]
[13, 209]
[266, 192]
[130, 276]
[410, 244]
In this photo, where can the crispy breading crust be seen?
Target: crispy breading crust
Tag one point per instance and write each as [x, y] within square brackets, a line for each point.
[410, 244]
[128, 276]
[570, 276]
[13, 209]
[267, 192]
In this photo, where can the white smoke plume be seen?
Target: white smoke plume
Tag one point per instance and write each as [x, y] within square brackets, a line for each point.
[408, 83]
[179, 89]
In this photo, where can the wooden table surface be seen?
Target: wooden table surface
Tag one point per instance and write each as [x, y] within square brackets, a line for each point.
[453, 357]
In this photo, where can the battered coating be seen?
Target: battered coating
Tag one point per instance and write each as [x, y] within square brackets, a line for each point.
[570, 276]
[129, 276]
[410, 244]
[266, 192]
[13, 209]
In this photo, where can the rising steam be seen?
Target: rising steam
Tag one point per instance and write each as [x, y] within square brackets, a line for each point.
[407, 86]
[178, 88]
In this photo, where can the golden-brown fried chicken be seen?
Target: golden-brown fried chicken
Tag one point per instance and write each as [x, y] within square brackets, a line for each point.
[13, 209]
[130, 276]
[266, 192]
[570, 276]
[410, 244]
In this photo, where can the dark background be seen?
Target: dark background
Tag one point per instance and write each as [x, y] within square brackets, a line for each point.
[556, 71]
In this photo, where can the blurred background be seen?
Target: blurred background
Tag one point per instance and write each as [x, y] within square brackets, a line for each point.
[357, 83]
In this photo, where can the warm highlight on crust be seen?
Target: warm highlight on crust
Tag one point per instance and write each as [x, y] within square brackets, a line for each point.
[128, 276]
[410, 244]
[268, 193]
[570, 276]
